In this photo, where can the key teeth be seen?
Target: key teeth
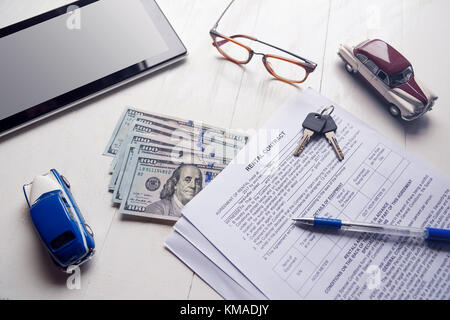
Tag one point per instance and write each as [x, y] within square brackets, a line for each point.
[338, 151]
[299, 151]
[303, 142]
[333, 141]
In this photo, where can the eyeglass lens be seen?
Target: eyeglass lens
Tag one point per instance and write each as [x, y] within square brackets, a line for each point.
[238, 50]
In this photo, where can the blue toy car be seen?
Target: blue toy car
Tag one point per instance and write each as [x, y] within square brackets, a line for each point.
[58, 220]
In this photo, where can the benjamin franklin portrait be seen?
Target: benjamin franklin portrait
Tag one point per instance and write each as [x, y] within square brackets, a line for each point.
[184, 184]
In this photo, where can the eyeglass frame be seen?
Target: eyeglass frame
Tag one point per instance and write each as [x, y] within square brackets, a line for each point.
[308, 65]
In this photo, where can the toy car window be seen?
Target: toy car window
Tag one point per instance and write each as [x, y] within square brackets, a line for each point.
[70, 212]
[69, 208]
[62, 239]
[361, 57]
[383, 77]
[402, 77]
[372, 66]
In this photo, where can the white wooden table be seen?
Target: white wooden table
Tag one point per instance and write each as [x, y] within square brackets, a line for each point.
[131, 261]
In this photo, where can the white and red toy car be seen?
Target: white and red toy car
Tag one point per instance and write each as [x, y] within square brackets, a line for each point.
[391, 75]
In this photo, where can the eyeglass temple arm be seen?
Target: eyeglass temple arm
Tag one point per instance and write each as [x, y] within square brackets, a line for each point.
[285, 51]
[267, 44]
[223, 13]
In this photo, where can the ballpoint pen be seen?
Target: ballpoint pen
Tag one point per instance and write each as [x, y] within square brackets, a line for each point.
[429, 234]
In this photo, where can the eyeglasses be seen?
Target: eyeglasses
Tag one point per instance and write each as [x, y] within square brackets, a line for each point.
[284, 69]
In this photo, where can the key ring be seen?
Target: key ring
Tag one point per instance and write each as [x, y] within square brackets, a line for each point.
[326, 109]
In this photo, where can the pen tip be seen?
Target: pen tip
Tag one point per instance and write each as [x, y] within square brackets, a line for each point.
[306, 221]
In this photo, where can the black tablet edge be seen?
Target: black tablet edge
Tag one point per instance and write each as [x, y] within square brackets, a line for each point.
[30, 22]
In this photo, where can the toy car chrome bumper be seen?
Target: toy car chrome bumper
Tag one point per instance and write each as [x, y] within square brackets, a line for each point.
[416, 115]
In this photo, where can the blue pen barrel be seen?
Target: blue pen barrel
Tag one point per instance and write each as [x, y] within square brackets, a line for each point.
[327, 223]
[432, 234]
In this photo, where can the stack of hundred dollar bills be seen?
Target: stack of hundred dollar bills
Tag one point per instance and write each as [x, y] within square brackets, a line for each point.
[160, 163]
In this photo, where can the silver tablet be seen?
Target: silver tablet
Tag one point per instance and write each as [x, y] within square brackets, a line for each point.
[58, 59]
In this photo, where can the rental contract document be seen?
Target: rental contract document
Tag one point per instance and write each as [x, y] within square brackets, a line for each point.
[246, 213]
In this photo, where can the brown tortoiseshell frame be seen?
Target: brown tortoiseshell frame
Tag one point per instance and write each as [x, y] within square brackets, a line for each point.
[217, 45]
[307, 68]
[307, 65]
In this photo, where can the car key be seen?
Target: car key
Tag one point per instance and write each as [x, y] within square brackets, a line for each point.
[329, 131]
[313, 124]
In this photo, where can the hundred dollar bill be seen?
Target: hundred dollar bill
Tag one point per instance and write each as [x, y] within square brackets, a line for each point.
[139, 126]
[120, 131]
[160, 188]
[133, 139]
[177, 154]
[128, 116]
[221, 147]
[200, 134]
[205, 142]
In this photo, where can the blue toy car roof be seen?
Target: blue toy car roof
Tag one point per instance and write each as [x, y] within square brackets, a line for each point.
[51, 217]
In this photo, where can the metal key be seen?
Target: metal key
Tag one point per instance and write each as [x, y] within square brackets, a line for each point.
[313, 124]
[329, 130]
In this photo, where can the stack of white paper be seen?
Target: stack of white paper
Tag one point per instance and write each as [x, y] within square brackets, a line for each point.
[238, 235]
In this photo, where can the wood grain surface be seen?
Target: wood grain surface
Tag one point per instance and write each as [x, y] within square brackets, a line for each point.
[131, 261]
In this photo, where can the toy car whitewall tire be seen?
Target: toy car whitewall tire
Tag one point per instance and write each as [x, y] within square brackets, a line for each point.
[349, 68]
[394, 111]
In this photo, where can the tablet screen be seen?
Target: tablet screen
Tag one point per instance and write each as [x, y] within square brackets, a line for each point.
[85, 44]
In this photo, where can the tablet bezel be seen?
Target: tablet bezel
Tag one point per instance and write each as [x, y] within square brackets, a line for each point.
[176, 52]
